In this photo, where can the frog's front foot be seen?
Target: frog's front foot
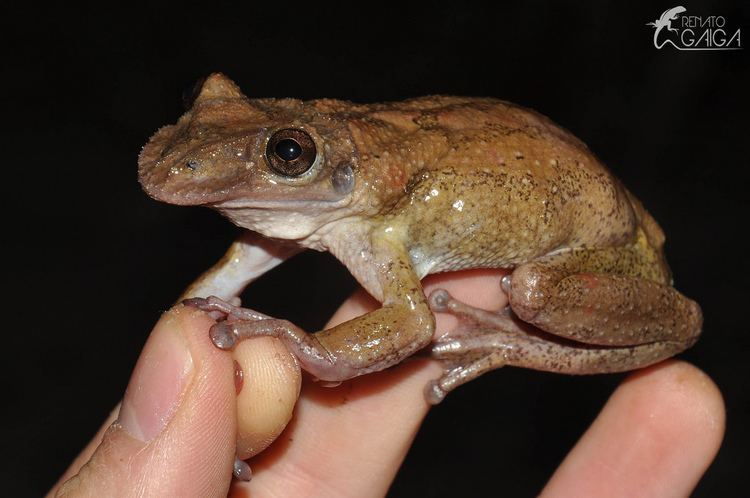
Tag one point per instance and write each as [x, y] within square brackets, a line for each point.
[236, 324]
[225, 334]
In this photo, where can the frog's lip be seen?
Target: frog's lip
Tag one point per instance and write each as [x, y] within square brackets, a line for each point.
[183, 195]
[235, 195]
[295, 204]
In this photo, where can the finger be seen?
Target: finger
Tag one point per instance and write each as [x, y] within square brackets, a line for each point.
[175, 432]
[350, 440]
[85, 454]
[655, 437]
[269, 385]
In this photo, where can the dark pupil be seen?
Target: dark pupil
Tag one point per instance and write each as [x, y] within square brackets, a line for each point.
[288, 149]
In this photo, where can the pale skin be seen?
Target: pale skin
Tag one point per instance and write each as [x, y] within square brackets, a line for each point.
[655, 436]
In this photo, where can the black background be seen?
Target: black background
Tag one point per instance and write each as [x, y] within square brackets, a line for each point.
[92, 262]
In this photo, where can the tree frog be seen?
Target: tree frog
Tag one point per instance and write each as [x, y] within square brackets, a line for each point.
[400, 190]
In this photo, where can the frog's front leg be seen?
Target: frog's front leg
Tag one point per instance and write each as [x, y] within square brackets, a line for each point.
[248, 257]
[372, 342]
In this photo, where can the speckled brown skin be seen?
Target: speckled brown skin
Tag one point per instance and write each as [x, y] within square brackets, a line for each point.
[439, 184]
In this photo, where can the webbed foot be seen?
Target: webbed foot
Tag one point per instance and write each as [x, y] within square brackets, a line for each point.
[486, 340]
[475, 347]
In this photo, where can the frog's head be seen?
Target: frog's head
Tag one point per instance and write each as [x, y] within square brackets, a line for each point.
[282, 167]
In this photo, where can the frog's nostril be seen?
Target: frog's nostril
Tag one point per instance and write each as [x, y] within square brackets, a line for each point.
[192, 164]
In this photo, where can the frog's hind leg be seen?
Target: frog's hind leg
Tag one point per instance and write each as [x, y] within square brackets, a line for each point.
[602, 308]
[582, 311]
[485, 341]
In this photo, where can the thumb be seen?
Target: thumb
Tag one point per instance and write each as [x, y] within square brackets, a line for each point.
[175, 432]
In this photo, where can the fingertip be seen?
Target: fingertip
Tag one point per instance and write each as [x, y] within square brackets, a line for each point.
[180, 447]
[684, 401]
[271, 381]
[656, 436]
[201, 438]
[685, 385]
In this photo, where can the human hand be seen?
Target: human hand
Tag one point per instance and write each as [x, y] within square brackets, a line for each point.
[175, 433]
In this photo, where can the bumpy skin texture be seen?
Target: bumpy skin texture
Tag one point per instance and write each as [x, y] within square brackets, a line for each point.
[403, 189]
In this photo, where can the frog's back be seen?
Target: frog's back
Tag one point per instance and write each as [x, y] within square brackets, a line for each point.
[494, 185]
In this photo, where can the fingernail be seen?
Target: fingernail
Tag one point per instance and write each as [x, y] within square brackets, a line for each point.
[157, 383]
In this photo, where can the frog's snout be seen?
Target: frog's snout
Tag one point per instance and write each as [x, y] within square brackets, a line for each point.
[198, 177]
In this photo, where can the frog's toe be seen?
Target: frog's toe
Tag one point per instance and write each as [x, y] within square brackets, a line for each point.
[241, 470]
[461, 370]
[446, 348]
[505, 282]
[218, 308]
[439, 300]
[442, 301]
[433, 393]
[211, 306]
[224, 335]
[197, 302]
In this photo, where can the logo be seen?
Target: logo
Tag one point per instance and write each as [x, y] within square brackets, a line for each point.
[685, 32]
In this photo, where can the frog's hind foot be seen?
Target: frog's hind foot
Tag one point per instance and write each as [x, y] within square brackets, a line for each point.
[475, 347]
[486, 340]
[436, 390]
[471, 318]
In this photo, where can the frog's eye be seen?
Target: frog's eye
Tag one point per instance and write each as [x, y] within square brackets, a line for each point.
[290, 152]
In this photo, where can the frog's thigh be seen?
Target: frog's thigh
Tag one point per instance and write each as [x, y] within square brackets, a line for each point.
[603, 309]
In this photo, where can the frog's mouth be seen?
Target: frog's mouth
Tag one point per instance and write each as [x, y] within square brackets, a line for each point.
[307, 204]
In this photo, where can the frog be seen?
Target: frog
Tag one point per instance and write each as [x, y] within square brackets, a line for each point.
[400, 190]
